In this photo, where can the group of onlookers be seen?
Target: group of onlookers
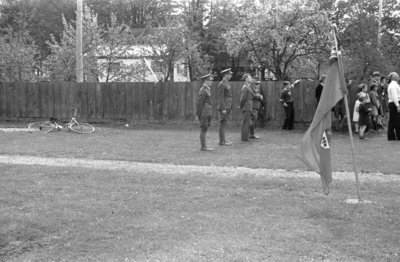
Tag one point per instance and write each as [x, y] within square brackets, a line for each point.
[372, 104]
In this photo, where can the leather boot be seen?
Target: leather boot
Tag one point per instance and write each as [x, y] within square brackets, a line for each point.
[221, 132]
[203, 143]
[252, 130]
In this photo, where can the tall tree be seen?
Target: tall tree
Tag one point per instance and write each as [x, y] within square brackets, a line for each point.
[61, 63]
[116, 43]
[135, 13]
[18, 55]
[276, 36]
[223, 16]
[358, 30]
[169, 45]
[42, 18]
[102, 49]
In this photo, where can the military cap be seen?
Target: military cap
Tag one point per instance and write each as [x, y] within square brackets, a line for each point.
[254, 75]
[226, 71]
[207, 77]
[376, 73]
[258, 83]
[286, 83]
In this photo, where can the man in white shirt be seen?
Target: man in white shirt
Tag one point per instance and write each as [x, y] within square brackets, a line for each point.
[394, 107]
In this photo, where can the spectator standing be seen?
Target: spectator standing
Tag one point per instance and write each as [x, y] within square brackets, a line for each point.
[377, 101]
[364, 92]
[375, 106]
[287, 102]
[385, 102]
[320, 86]
[257, 101]
[204, 110]
[393, 132]
[364, 116]
[246, 106]
[356, 115]
[224, 92]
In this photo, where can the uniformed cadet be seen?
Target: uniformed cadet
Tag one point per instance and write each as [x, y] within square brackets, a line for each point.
[257, 100]
[246, 106]
[224, 93]
[287, 101]
[204, 110]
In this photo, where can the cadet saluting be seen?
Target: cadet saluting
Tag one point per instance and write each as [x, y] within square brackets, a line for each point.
[224, 106]
[287, 101]
[246, 105]
[204, 110]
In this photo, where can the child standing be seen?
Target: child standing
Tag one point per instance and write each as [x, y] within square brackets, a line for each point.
[364, 119]
[356, 116]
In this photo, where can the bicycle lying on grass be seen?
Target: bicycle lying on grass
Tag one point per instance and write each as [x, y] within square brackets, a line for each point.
[73, 125]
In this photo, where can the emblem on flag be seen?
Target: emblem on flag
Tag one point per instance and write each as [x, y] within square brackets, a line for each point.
[324, 141]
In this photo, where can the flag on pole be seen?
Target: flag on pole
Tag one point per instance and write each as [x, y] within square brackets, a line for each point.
[315, 145]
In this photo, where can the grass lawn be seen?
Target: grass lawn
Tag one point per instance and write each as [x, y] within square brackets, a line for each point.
[180, 145]
[84, 214]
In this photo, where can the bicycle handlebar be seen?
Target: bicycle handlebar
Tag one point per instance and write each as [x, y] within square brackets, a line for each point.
[75, 111]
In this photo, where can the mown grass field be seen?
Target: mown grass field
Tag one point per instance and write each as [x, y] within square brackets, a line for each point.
[74, 213]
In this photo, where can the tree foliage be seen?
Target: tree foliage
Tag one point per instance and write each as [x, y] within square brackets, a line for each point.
[43, 18]
[110, 44]
[169, 45]
[275, 37]
[286, 37]
[61, 63]
[18, 55]
[358, 23]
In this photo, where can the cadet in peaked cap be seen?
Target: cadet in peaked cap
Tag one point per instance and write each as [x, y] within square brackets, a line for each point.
[224, 106]
[207, 77]
[204, 110]
[376, 73]
[226, 71]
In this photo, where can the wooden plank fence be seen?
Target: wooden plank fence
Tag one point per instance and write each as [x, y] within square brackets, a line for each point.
[105, 102]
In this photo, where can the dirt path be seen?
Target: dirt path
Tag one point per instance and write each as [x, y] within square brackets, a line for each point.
[180, 169]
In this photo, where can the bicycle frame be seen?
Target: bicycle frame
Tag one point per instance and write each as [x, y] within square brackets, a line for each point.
[73, 124]
[72, 121]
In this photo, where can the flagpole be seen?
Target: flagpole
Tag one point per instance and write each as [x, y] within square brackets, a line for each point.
[343, 84]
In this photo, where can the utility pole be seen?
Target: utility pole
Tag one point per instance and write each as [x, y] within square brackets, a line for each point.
[79, 57]
[379, 25]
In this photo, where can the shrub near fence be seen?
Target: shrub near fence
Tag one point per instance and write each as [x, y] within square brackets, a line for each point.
[164, 101]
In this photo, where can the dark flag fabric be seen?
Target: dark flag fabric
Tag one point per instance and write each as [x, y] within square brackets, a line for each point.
[315, 145]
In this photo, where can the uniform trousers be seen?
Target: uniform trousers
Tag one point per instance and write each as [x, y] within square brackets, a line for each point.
[393, 132]
[289, 112]
[245, 128]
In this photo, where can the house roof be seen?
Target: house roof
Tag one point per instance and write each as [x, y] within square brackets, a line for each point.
[126, 51]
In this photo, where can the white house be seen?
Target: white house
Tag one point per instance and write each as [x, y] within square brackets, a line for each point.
[136, 63]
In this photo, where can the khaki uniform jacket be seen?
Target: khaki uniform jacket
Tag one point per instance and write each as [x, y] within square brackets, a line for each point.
[204, 104]
[224, 95]
[246, 98]
[257, 97]
[286, 96]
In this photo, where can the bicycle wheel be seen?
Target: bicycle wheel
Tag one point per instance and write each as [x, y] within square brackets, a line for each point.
[81, 128]
[40, 127]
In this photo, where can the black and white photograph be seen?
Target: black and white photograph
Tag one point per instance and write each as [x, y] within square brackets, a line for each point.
[199, 130]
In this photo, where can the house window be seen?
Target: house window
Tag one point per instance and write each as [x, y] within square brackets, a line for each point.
[115, 67]
[156, 65]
